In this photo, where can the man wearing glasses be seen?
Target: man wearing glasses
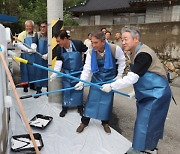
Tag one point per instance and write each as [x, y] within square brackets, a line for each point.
[40, 42]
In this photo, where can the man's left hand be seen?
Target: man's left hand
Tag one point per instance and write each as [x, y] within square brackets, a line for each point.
[31, 51]
[45, 56]
[106, 88]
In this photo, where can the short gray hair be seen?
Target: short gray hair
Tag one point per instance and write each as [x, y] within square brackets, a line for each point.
[31, 21]
[133, 30]
[99, 35]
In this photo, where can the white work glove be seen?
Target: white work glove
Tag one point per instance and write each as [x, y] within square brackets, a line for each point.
[33, 46]
[45, 56]
[132, 95]
[106, 88]
[79, 85]
[14, 43]
[57, 68]
[53, 76]
[31, 51]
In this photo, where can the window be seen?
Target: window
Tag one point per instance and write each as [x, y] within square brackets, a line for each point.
[129, 18]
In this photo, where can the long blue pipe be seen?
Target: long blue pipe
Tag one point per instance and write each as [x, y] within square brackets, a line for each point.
[56, 77]
[66, 75]
[72, 77]
[59, 90]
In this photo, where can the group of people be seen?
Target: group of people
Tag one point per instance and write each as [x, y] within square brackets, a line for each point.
[36, 51]
[117, 40]
[104, 65]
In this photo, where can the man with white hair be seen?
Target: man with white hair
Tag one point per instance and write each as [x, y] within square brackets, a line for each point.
[152, 92]
[27, 71]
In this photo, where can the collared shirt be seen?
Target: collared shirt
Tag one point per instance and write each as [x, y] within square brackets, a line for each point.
[119, 56]
[24, 34]
[70, 49]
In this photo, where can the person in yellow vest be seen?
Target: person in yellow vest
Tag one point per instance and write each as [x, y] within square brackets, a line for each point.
[27, 71]
[152, 91]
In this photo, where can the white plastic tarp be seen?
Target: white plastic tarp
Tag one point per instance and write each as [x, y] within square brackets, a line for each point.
[60, 136]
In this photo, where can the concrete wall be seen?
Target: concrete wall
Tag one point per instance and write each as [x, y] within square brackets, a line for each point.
[162, 37]
[153, 14]
[162, 14]
[106, 19]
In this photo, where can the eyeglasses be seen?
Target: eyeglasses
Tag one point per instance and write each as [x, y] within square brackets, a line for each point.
[43, 26]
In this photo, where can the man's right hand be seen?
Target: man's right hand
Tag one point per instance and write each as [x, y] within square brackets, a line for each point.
[53, 76]
[45, 56]
[31, 51]
[79, 85]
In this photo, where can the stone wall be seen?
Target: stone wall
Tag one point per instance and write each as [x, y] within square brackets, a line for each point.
[164, 38]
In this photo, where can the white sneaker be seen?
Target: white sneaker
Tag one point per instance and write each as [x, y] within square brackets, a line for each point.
[155, 151]
[132, 151]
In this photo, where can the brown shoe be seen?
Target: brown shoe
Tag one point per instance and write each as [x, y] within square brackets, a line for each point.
[81, 128]
[106, 128]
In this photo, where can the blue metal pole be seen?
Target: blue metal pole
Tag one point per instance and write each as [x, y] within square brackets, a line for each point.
[59, 90]
[66, 75]
[40, 80]
[72, 77]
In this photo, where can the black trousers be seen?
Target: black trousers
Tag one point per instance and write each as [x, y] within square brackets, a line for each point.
[40, 88]
[80, 107]
[85, 120]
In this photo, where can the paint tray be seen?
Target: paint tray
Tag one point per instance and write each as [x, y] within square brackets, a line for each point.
[23, 143]
[40, 121]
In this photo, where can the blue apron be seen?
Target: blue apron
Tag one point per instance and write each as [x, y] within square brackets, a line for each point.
[99, 104]
[72, 62]
[40, 73]
[27, 71]
[153, 97]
